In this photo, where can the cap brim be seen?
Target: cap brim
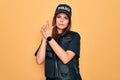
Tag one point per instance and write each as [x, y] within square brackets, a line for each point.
[63, 12]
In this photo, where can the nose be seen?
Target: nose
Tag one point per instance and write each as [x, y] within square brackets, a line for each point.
[61, 19]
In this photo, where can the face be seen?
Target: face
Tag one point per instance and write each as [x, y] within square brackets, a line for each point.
[62, 21]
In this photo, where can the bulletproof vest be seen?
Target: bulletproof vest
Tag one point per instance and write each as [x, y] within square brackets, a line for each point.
[55, 68]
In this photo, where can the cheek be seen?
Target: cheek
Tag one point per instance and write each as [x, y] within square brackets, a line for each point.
[66, 22]
[57, 21]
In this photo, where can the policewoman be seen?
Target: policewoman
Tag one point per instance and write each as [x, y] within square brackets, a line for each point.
[60, 47]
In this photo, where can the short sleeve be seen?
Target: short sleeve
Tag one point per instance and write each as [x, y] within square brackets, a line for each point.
[75, 44]
[36, 52]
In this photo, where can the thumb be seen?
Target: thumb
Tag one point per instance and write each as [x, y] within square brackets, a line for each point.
[47, 23]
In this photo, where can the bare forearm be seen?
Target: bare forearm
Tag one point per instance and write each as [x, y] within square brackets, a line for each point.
[60, 52]
[41, 52]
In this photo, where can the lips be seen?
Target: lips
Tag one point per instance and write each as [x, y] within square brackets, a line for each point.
[61, 24]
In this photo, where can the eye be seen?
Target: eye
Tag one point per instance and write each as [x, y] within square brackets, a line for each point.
[66, 17]
[58, 16]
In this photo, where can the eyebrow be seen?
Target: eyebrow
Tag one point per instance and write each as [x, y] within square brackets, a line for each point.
[64, 16]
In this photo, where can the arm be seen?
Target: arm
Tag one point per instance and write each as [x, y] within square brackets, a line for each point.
[66, 56]
[42, 49]
[41, 52]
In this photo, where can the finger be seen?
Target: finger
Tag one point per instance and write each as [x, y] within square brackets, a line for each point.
[44, 28]
[47, 24]
[51, 27]
[41, 28]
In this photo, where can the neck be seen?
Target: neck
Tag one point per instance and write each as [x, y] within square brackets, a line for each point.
[59, 31]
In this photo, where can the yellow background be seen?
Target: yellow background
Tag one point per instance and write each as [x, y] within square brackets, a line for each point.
[98, 22]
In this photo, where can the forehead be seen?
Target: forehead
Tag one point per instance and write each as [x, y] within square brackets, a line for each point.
[62, 14]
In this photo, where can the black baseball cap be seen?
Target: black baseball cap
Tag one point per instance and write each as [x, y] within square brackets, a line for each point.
[64, 8]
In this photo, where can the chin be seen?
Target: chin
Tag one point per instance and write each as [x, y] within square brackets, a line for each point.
[61, 27]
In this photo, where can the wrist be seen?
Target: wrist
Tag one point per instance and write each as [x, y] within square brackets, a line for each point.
[44, 40]
[49, 38]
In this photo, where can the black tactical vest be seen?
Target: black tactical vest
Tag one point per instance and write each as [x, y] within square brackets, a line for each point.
[55, 68]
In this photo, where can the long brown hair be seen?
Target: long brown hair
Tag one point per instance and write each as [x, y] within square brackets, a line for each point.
[65, 31]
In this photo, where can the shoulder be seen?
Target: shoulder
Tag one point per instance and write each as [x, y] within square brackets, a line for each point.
[74, 34]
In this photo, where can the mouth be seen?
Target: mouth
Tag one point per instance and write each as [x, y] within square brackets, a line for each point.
[61, 24]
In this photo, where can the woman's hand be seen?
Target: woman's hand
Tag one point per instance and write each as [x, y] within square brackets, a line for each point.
[46, 30]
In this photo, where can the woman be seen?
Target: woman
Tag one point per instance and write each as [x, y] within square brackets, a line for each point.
[60, 47]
